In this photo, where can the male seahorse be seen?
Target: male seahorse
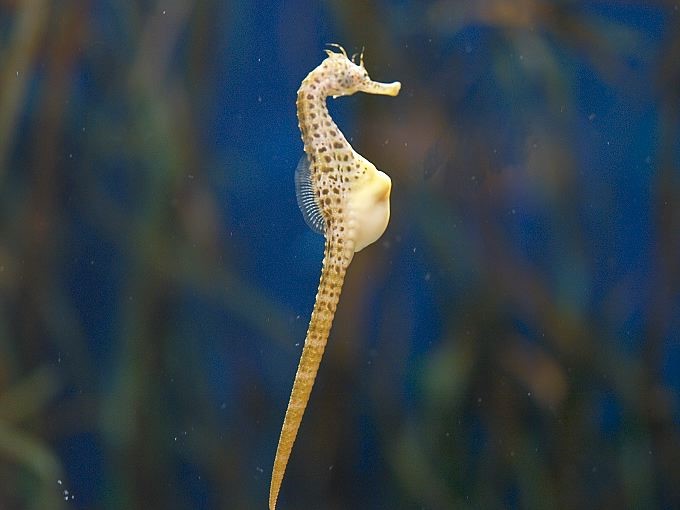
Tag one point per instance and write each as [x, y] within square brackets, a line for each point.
[341, 195]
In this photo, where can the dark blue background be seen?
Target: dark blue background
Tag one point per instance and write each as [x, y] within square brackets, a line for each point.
[512, 341]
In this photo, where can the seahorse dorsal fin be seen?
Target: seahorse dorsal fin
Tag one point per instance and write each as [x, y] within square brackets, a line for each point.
[306, 199]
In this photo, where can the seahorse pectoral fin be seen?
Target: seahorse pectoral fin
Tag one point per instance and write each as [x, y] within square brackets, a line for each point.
[304, 193]
[383, 89]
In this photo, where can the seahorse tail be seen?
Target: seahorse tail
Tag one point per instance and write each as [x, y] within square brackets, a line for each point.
[330, 285]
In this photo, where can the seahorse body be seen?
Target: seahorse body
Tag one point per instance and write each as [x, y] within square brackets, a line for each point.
[348, 200]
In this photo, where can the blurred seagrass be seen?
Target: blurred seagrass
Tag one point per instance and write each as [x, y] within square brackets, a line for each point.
[18, 66]
[20, 403]
[511, 342]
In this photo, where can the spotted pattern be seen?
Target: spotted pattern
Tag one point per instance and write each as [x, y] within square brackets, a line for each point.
[335, 170]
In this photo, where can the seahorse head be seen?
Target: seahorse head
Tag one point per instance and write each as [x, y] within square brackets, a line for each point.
[345, 76]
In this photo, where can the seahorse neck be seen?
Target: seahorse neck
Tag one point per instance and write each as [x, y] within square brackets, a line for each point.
[319, 131]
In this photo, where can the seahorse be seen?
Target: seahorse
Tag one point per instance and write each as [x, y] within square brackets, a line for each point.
[343, 196]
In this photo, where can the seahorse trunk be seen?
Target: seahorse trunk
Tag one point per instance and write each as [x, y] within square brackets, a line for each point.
[327, 296]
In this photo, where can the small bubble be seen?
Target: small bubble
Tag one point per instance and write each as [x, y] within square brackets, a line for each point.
[163, 13]
[591, 117]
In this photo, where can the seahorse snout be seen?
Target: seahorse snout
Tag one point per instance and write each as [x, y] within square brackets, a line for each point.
[383, 89]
